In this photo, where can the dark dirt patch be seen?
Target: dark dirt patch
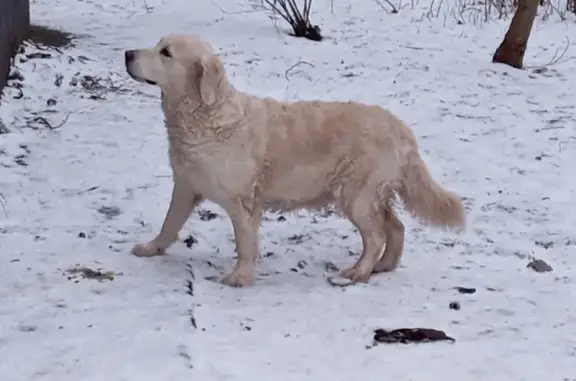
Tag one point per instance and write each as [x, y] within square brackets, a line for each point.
[544, 244]
[190, 241]
[109, 211]
[3, 128]
[297, 239]
[331, 267]
[88, 273]
[207, 215]
[50, 37]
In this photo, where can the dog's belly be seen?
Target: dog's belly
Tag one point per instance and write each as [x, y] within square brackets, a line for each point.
[216, 185]
[300, 187]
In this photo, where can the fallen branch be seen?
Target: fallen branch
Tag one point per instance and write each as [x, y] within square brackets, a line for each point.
[294, 66]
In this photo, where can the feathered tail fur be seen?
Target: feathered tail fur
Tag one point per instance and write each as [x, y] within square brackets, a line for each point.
[425, 198]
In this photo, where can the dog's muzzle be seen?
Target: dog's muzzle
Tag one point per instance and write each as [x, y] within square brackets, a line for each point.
[129, 57]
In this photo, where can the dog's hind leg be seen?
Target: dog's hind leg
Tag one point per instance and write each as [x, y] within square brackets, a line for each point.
[181, 205]
[364, 211]
[394, 231]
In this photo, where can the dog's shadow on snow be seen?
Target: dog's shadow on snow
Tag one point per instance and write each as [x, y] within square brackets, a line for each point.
[271, 271]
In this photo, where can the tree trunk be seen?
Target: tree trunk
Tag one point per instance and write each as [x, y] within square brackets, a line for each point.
[511, 50]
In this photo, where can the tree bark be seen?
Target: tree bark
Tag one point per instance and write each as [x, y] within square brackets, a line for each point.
[511, 50]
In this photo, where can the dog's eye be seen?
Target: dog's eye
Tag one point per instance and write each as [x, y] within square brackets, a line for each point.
[165, 52]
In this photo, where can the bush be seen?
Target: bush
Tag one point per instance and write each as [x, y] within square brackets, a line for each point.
[298, 18]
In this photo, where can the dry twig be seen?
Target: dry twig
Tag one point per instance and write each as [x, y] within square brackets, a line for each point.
[234, 12]
[190, 291]
[43, 121]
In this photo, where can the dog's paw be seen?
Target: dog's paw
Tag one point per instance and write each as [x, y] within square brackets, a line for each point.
[385, 267]
[238, 279]
[356, 274]
[146, 250]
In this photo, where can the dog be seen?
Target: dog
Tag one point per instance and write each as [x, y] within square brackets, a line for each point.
[250, 154]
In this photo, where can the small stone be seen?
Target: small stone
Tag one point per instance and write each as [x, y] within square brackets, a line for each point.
[539, 265]
[454, 306]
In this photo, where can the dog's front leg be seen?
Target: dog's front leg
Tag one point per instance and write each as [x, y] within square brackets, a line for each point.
[245, 218]
[181, 205]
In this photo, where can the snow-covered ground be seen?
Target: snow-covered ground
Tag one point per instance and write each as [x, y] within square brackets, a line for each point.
[83, 193]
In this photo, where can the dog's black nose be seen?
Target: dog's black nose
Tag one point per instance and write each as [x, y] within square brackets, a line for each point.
[129, 55]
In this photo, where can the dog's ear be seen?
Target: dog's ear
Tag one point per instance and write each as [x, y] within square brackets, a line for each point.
[211, 77]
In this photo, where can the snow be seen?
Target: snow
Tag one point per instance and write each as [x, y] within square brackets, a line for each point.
[84, 193]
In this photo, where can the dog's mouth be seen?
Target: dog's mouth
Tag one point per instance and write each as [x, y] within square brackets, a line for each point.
[137, 77]
[141, 79]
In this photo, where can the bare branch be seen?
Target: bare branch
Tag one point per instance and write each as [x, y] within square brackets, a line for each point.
[298, 18]
[233, 12]
[394, 9]
[556, 58]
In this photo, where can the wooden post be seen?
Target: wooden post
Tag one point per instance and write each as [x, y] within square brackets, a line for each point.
[14, 26]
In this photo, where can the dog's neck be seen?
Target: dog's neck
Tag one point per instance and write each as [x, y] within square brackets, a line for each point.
[191, 111]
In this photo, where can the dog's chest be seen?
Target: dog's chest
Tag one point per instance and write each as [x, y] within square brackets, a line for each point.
[213, 170]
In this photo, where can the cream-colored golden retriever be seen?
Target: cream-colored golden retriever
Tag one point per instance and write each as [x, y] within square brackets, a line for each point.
[250, 154]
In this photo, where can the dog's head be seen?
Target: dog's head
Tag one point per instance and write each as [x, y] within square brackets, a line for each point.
[181, 65]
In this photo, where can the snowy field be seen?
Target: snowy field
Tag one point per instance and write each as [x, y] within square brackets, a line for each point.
[84, 176]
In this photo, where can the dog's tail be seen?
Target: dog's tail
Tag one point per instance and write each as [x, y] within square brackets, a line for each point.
[425, 198]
